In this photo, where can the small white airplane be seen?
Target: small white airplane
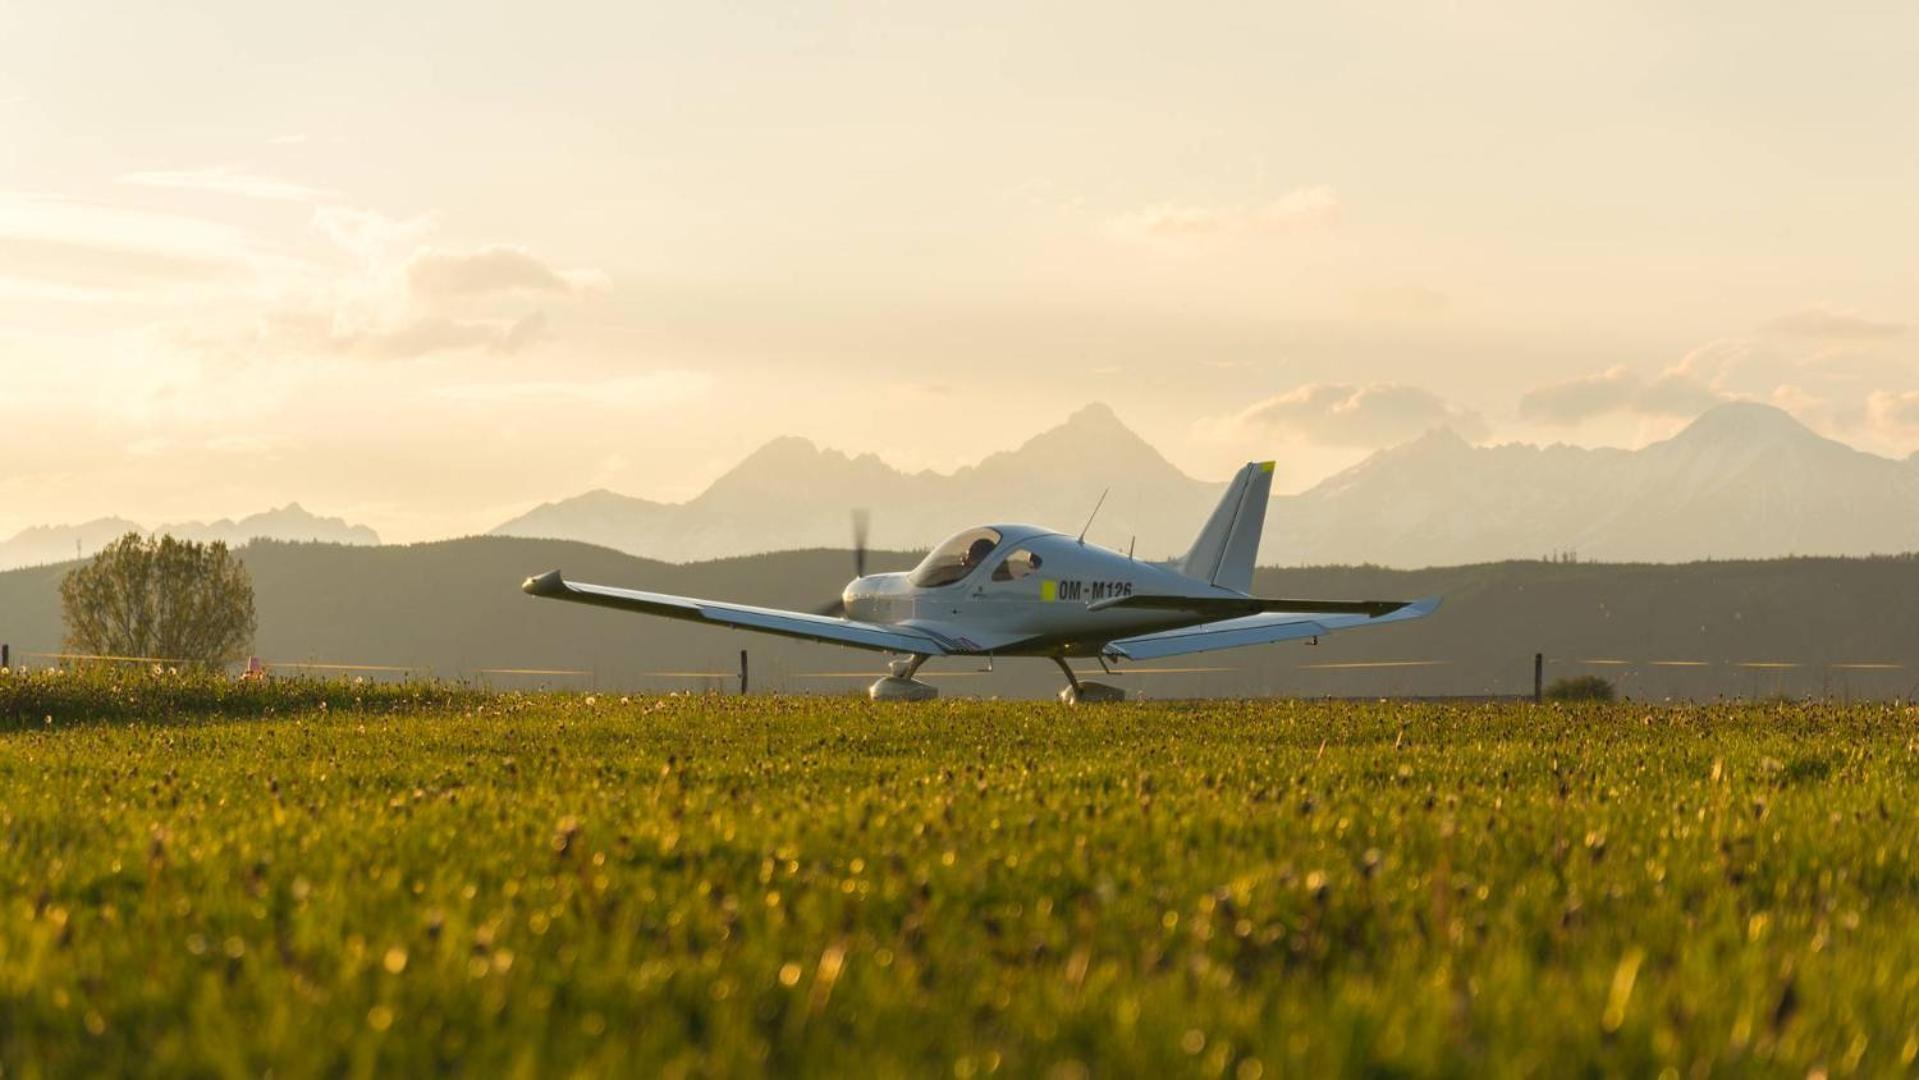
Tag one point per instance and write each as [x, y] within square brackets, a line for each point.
[1021, 590]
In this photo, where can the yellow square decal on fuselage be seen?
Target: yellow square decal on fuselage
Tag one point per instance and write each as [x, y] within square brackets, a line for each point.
[1048, 590]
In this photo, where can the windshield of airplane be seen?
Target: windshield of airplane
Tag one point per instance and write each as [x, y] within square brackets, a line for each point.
[1015, 566]
[955, 558]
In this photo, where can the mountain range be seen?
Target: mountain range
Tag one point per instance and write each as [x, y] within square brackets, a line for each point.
[792, 494]
[57, 543]
[1743, 480]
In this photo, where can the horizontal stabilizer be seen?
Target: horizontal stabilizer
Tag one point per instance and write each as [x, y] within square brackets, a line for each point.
[1263, 629]
[1228, 607]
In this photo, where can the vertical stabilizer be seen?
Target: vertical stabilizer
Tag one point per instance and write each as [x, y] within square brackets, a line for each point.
[1224, 553]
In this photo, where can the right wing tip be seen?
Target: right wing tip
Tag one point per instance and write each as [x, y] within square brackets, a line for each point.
[1416, 609]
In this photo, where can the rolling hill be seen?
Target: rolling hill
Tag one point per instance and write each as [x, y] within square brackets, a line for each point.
[454, 609]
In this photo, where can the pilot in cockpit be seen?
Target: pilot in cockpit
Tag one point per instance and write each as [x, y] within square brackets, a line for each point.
[977, 552]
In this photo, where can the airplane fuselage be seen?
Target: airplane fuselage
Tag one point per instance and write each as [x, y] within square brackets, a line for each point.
[1040, 605]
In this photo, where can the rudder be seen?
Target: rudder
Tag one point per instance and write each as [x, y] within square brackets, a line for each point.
[1223, 554]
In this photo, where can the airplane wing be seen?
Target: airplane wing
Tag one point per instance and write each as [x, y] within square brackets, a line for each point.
[1258, 630]
[799, 624]
[1227, 607]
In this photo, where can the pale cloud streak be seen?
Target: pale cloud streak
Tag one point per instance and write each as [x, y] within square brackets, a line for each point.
[1829, 324]
[99, 227]
[1379, 414]
[229, 180]
[72, 251]
[648, 390]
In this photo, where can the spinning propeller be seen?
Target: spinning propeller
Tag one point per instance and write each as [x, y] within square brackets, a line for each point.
[837, 609]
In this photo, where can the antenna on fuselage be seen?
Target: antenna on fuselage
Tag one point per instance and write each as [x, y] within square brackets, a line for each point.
[1133, 540]
[1091, 516]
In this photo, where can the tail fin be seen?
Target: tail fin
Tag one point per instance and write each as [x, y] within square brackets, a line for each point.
[1223, 555]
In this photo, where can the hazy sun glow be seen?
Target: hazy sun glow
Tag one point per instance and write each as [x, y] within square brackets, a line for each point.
[423, 268]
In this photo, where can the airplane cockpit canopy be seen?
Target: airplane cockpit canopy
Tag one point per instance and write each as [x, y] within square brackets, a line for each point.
[955, 558]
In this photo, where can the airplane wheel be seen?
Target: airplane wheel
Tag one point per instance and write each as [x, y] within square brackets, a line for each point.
[1091, 693]
[893, 688]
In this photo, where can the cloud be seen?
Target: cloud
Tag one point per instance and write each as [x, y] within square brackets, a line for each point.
[1893, 410]
[227, 180]
[1814, 409]
[372, 238]
[1300, 206]
[1575, 400]
[1828, 324]
[1677, 391]
[397, 298]
[1337, 414]
[496, 269]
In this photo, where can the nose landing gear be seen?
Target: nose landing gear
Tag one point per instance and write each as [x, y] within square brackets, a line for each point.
[1079, 692]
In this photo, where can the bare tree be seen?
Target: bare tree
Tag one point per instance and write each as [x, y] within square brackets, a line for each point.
[165, 598]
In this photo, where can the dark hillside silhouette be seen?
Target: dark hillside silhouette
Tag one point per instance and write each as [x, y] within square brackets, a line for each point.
[455, 607]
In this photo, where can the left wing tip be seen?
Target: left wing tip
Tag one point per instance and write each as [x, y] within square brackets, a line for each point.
[547, 584]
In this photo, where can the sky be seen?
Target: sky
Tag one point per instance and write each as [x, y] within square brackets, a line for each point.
[424, 266]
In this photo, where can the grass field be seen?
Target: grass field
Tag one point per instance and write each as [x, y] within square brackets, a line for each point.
[316, 878]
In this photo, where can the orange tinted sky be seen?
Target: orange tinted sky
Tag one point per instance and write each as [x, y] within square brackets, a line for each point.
[425, 267]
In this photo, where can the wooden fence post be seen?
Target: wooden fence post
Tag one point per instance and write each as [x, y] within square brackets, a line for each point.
[742, 671]
[1539, 678]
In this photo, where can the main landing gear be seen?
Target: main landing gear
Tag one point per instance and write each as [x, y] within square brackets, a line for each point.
[1078, 692]
[901, 685]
